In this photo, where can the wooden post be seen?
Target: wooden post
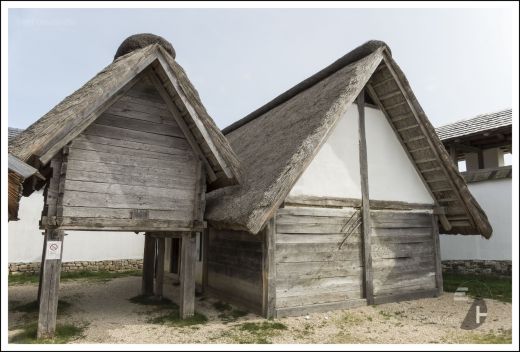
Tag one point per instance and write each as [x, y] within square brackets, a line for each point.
[44, 250]
[205, 248]
[269, 268]
[159, 269]
[148, 265]
[50, 284]
[187, 275]
[453, 154]
[437, 257]
[365, 203]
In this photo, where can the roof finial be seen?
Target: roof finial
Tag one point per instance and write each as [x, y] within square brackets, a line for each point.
[138, 41]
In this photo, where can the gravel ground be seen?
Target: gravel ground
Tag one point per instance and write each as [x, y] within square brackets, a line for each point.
[110, 318]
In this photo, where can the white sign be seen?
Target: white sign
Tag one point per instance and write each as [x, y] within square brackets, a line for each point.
[53, 250]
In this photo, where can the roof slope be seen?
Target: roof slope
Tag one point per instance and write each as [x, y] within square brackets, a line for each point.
[38, 142]
[477, 124]
[277, 142]
[12, 132]
[276, 146]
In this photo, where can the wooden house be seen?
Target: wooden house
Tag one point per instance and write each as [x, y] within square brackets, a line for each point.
[132, 150]
[345, 185]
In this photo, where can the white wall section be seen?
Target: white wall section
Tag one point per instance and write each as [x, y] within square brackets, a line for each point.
[26, 240]
[334, 172]
[495, 197]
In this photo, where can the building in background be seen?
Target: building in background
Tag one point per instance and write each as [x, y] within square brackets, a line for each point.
[482, 147]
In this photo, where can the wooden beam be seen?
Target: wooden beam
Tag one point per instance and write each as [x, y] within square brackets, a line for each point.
[480, 156]
[50, 283]
[187, 275]
[425, 134]
[269, 269]
[365, 202]
[44, 251]
[437, 252]
[159, 269]
[148, 265]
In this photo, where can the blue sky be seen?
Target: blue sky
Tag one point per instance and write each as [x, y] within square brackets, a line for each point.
[458, 61]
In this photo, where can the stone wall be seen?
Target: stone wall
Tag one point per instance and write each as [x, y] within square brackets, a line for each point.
[103, 265]
[486, 267]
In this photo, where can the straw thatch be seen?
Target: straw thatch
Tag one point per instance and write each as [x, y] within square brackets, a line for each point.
[142, 40]
[71, 116]
[277, 142]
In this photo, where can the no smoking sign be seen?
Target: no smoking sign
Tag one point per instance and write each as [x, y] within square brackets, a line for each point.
[53, 250]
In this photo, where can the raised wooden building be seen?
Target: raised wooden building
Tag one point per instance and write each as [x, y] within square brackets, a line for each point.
[132, 150]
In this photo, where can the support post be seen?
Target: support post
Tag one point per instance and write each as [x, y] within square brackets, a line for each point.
[148, 265]
[159, 269]
[50, 283]
[437, 248]
[205, 248]
[269, 268]
[187, 275]
[365, 203]
[44, 250]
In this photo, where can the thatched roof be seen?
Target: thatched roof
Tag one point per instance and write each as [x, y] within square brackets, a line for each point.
[65, 121]
[482, 123]
[279, 140]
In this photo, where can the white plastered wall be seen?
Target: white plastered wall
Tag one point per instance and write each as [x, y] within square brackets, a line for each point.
[26, 240]
[495, 198]
[334, 172]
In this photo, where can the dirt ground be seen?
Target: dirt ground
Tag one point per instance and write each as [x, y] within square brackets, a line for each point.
[109, 317]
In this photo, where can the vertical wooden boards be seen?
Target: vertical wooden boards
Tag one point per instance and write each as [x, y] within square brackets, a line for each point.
[403, 255]
[159, 269]
[50, 283]
[365, 205]
[437, 250]
[235, 267]
[314, 271]
[148, 265]
[187, 277]
[269, 268]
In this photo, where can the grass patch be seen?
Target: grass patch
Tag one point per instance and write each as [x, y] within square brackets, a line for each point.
[502, 337]
[231, 316]
[33, 307]
[173, 319]
[228, 314]
[481, 286]
[349, 318]
[64, 333]
[260, 332]
[99, 276]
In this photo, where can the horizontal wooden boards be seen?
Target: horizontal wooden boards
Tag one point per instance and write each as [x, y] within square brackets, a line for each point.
[399, 219]
[320, 307]
[311, 268]
[101, 224]
[235, 265]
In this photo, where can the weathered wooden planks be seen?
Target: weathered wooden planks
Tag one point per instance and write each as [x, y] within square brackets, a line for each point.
[234, 266]
[403, 254]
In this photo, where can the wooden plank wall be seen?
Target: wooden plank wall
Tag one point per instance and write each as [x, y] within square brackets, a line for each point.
[234, 267]
[403, 255]
[133, 157]
[312, 272]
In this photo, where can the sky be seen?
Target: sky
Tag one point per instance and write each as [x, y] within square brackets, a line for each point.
[458, 61]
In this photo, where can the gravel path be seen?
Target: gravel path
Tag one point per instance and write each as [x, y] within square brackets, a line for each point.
[111, 318]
